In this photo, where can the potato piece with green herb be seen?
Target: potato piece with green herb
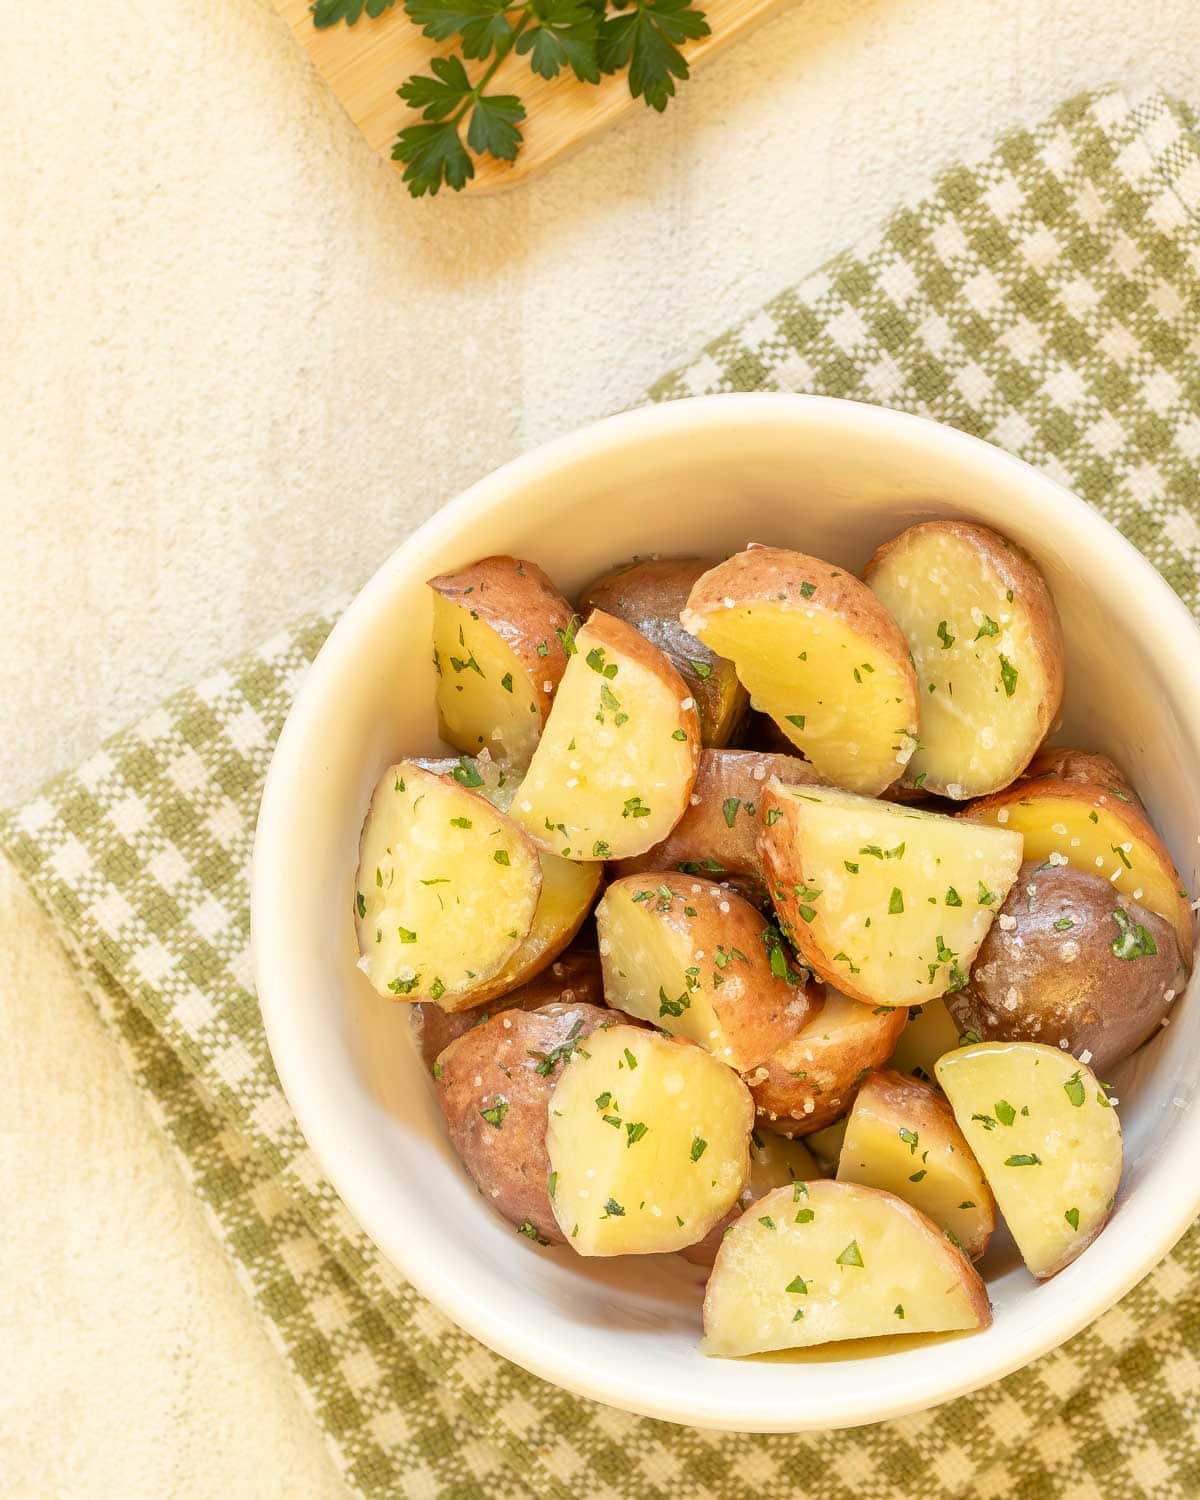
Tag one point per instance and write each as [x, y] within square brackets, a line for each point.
[613, 771]
[648, 1143]
[822, 1261]
[500, 632]
[1047, 1138]
[494, 1085]
[775, 1162]
[1072, 963]
[901, 1137]
[889, 903]
[987, 646]
[820, 654]
[718, 833]
[1097, 827]
[650, 594]
[447, 888]
[811, 1081]
[931, 1031]
[697, 961]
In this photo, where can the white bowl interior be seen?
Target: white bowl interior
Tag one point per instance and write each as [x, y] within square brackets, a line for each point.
[829, 478]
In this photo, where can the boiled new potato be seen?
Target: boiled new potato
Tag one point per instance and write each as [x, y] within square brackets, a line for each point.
[500, 637]
[901, 1137]
[821, 1261]
[718, 833]
[1080, 766]
[1097, 827]
[987, 647]
[650, 596]
[1048, 1140]
[648, 1144]
[889, 903]
[494, 1084]
[1071, 963]
[447, 888]
[614, 769]
[571, 979]
[820, 654]
[775, 1161]
[811, 1081]
[931, 1030]
[696, 960]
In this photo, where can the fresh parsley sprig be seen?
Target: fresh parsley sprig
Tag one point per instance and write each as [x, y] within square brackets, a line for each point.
[591, 38]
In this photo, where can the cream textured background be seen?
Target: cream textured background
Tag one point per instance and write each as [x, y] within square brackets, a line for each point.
[239, 364]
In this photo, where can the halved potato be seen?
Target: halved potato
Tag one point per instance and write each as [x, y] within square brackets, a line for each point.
[718, 833]
[987, 646]
[697, 961]
[821, 1261]
[1072, 963]
[649, 595]
[931, 1031]
[447, 888]
[1048, 1141]
[648, 1143]
[775, 1161]
[812, 1080]
[1098, 828]
[820, 654]
[500, 635]
[494, 1085]
[613, 771]
[901, 1137]
[889, 903]
[825, 1145]
[572, 979]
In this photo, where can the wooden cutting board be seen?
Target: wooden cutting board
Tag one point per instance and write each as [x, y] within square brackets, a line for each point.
[366, 63]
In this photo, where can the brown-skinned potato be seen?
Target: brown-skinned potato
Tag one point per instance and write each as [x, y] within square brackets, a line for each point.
[650, 595]
[1071, 961]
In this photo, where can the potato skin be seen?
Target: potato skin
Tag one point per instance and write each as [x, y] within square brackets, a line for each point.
[649, 595]
[1036, 981]
[491, 1068]
[1084, 767]
[572, 979]
[812, 1081]
[705, 834]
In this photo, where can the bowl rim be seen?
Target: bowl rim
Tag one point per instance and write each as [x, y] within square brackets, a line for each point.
[1133, 1255]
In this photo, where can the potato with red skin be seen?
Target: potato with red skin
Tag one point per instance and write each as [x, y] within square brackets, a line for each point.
[1071, 961]
[572, 979]
[812, 1081]
[494, 1085]
[774, 1162]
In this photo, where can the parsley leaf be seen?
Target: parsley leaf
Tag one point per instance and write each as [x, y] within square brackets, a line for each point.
[646, 38]
[330, 12]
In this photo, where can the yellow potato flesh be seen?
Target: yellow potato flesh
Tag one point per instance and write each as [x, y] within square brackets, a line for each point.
[485, 699]
[929, 1033]
[1047, 1139]
[822, 1261]
[648, 1143]
[835, 695]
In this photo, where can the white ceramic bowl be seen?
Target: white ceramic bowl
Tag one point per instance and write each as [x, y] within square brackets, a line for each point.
[831, 478]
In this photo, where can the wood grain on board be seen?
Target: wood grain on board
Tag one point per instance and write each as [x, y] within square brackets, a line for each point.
[366, 63]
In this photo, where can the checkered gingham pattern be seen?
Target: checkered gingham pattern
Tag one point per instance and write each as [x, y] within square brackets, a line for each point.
[1046, 298]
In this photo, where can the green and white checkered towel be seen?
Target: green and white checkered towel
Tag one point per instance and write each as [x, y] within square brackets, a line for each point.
[1046, 298]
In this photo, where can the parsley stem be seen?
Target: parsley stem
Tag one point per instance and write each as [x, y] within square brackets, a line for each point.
[503, 48]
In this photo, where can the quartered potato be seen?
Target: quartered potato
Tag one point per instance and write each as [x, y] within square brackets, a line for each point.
[494, 1085]
[1048, 1140]
[697, 961]
[648, 1143]
[930, 1032]
[650, 595]
[774, 1162]
[718, 833]
[1097, 827]
[614, 769]
[826, 1145]
[901, 1137]
[500, 632]
[889, 903]
[812, 1080]
[821, 1261]
[572, 979]
[820, 654]
[1072, 963]
[447, 888]
[987, 647]
[1084, 766]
